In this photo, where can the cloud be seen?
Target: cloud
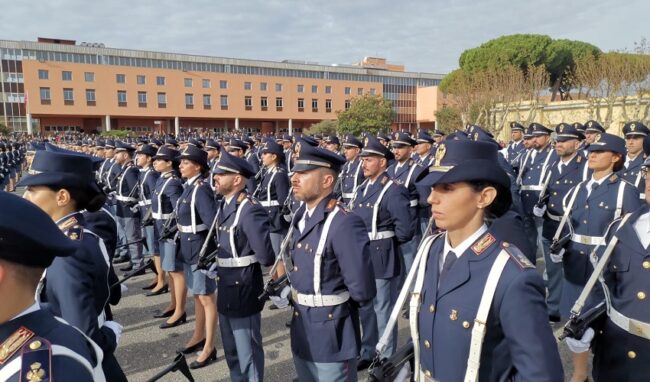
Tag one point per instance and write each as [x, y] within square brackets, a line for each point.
[426, 35]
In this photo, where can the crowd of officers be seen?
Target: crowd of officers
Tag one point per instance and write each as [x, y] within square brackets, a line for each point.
[444, 230]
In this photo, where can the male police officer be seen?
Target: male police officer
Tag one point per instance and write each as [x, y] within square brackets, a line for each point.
[634, 132]
[329, 269]
[516, 148]
[127, 196]
[351, 175]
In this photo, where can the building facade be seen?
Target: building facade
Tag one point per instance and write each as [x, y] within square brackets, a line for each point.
[56, 85]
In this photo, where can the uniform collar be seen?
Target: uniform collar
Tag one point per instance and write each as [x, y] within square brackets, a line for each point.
[462, 247]
[70, 220]
[191, 180]
[32, 308]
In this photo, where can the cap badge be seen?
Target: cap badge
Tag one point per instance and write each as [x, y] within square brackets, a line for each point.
[365, 141]
[561, 128]
[632, 127]
[597, 138]
[440, 154]
[297, 149]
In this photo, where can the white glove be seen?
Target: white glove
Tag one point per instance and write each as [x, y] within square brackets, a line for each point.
[539, 212]
[281, 301]
[116, 328]
[557, 258]
[211, 272]
[124, 288]
[582, 345]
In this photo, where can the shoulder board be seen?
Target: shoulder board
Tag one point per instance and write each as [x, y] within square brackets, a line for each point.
[613, 178]
[36, 361]
[68, 223]
[75, 233]
[385, 179]
[483, 243]
[578, 159]
[517, 256]
[241, 197]
[14, 342]
[331, 204]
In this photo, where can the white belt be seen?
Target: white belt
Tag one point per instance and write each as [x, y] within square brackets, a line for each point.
[347, 195]
[269, 203]
[588, 240]
[425, 378]
[381, 235]
[314, 301]
[190, 229]
[125, 198]
[236, 262]
[160, 216]
[630, 325]
[413, 203]
[144, 202]
[555, 218]
[532, 188]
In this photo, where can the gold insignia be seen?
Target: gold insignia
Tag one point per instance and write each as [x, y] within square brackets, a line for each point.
[14, 342]
[36, 374]
[35, 345]
[297, 149]
[293, 139]
[561, 129]
[241, 197]
[396, 136]
[365, 141]
[476, 136]
[632, 127]
[590, 124]
[579, 159]
[440, 154]
[454, 315]
[483, 244]
[613, 178]
[597, 138]
[68, 223]
[331, 204]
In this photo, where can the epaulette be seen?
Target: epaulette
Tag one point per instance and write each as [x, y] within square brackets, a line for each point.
[517, 256]
[331, 204]
[241, 197]
[75, 233]
[385, 179]
[578, 159]
[36, 363]
[13, 343]
[483, 243]
[613, 178]
[68, 223]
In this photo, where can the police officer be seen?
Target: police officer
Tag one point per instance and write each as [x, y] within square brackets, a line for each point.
[564, 174]
[592, 129]
[634, 133]
[287, 144]
[589, 208]
[242, 236]
[34, 345]
[195, 212]
[329, 269]
[76, 287]
[351, 174]
[423, 146]
[212, 148]
[516, 147]
[467, 185]
[384, 207]
[332, 143]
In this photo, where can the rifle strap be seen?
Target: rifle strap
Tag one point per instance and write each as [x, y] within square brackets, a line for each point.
[567, 212]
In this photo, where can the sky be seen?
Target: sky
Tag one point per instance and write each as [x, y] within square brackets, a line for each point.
[425, 36]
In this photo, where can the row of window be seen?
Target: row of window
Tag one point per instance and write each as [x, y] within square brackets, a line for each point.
[68, 99]
[66, 75]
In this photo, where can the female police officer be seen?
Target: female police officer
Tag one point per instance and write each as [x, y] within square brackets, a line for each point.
[456, 306]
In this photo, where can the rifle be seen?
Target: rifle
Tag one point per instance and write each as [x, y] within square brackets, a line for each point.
[387, 369]
[274, 287]
[206, 261]
[169, 229]
[179, 364]
[147, 218]
[578, 324]
[147, 264]
[543, 197]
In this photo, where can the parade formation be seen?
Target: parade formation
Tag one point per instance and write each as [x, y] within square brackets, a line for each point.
[349, 233]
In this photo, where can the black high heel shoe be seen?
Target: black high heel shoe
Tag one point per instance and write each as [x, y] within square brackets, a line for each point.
[167, 325]
[158, 292]
[150, 287]
[166, 314]
[192, 349]
[211, 358]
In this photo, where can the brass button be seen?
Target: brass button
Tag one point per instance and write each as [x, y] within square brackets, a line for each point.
[35, 345]
[641, 295]
[296, 314]
[299, 245]
[427, 344]
[506, 244]
[631, 355]
[465, 324]
[554, 193]
[584, 221]
[432, 308]
[236, 282]
[454, 315]
[295, 268]
[427, 373]
[330, 316]
[646, 264]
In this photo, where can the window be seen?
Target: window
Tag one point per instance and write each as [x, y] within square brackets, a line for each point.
[162, 100]
[373, 91]
[89, 76]
[90, 97]
[314, 89]
[263, 86]
[142, 99]
[188, 82]
[160, 80]
[328, 89]
[120, 79]
[140, 79]
[348, 91]
[66, 75]
[248, 102]
[328, 105]
[68, 96]
[264, 103]
[224, 101]
[359, 91]
[223, 84]
[43, 74]
[347, 104]
[314, 104]
[278, 103]
[45, 96]
[207, 101]
[301, 104]
[248, 85]
[301, 88]
[189, 101]
[206, 83]
[121, 98]
[278, 87]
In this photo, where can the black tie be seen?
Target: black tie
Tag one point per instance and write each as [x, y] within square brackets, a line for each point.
[594, 186]
[450, 259]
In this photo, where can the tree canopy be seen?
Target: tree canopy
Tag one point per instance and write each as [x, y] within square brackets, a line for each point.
[368, 113]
